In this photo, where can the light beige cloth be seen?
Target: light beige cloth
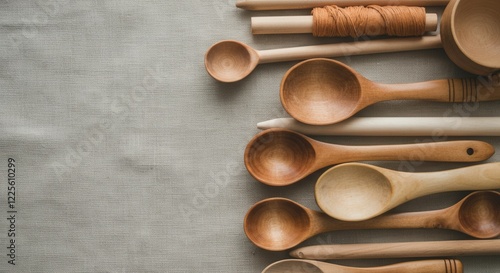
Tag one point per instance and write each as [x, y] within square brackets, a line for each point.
[129, 157]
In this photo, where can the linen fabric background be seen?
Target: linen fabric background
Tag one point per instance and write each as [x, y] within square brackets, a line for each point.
[129, 156]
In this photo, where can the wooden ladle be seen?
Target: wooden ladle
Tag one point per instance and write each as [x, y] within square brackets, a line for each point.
[310, 266]
[325, 91]
[279, 157]
[278, 223]
[230, 61]
[356, 191]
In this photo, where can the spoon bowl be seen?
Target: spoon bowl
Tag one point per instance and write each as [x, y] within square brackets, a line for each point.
[479, 214]
[230, 61]
[277, 224]
[355, 192]
[471, 36]
[324, 91]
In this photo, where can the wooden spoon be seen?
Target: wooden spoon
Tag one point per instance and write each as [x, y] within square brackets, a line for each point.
[277, 223]
[280, 157]
[309, 266]
[325, 91]
[230, 61]
[399, 250]
[355, 191]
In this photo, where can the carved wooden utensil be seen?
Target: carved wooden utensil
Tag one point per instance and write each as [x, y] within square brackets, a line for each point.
[280, 157]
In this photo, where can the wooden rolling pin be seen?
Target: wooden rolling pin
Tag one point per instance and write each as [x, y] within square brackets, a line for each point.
[304, 24]
[308, 4]
[394, 126]
[399, 250]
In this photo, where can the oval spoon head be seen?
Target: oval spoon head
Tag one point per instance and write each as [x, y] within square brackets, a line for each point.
[279, 157]
[277, 224]
[230, 61]
[479, 214]
[321, 91]
[293, 266]
[353, 192]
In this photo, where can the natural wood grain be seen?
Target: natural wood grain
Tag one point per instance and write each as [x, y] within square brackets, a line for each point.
[304, 24]
[280, 157]
[310, 266]
[230, 61]
[399, 250]
[356, 191]
[278, 223]
[324, 91]
[307, 4]
[470, 43]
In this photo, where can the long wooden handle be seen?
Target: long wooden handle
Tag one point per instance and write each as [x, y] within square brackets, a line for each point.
[427, 266]
[448, 151]
[349, 49]
[439, 127]
[307, 4]
[304, 24]
[399, 250]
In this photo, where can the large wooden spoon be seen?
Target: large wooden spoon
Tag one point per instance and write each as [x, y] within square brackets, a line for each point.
[278, 223]
[356, 191]
[309, 266]
[230, 61]
[280, 157]
[325, 91]
[308, 4]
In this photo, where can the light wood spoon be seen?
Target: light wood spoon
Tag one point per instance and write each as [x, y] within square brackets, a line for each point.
[278, 223]
[356, 191]
[231, 61]
[325, 91]
[280, 157]
[309, 266]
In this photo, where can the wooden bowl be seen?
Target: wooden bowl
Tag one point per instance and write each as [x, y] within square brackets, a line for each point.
[470, 32]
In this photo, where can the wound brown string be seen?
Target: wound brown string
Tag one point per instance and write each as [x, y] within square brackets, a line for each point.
[373, 20]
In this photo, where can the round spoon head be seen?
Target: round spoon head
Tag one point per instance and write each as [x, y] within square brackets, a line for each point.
[279, 157]
[321, 91]
[479, 214]
[353, 192]
[277, 224]
[293, 266]
[470, 34]
[230, 61]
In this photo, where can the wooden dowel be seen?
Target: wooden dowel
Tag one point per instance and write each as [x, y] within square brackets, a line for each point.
[394, 126]
[304, 24]
[399, 250]
[308, 4]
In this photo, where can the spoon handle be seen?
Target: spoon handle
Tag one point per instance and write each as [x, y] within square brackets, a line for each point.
[448, 151]
[399, 250]
[450, 90]
[349, 49]
[306, 4]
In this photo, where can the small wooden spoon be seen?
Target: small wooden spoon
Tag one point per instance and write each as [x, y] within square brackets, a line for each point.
[310, 266]
[230, 61]
[279, 157]
[355, 191]
[325, 91]
[277, 223]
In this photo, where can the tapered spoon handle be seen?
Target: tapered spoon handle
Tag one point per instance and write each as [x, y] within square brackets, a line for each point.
[399, 250]
[306, 4]
[438, 127]
[447, 151]
[349, 49]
